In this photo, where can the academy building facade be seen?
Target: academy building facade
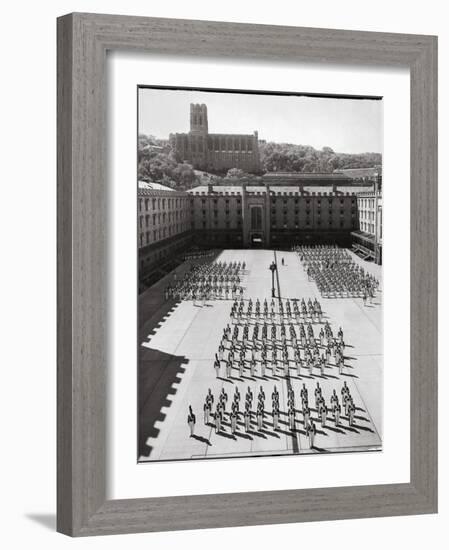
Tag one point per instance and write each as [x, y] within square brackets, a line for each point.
[215, 152]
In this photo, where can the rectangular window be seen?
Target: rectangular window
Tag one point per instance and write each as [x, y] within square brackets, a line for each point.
[256, 218]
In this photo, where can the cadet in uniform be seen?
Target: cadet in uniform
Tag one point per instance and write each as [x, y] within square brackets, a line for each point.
[323, 414]
[191, 420]
[337, 412]
[233, 418]
[275, 416]
[306, 415]
[311, 431]
[247, 419]
[217, 368]
[207, 409]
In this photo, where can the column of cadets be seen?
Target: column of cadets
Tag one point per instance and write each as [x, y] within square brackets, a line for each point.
[336, 274]
[208, 281]
[252, 414]
[301, 347]
[242, 353]
[278, 340]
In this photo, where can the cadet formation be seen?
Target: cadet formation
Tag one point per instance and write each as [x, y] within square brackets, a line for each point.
[258, 413]
[336, 274]
[279, 339]
[208, 281]
[282, 338]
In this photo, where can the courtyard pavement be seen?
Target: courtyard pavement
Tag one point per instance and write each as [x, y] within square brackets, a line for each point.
[178, 342]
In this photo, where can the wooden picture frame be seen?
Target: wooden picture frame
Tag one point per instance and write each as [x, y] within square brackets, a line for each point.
[83, 40]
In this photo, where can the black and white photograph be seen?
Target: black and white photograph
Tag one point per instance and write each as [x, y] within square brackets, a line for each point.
[259, 235]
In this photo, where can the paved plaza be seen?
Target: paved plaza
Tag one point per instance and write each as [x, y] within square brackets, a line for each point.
[177, 345]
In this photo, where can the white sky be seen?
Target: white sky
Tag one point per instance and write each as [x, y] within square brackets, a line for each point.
[346, 125]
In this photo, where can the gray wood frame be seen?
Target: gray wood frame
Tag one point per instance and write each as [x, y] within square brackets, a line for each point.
[83, 40]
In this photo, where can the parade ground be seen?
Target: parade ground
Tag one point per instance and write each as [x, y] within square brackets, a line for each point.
[178, 341]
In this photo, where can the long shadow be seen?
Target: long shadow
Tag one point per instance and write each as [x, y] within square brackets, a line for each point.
[351, 429]
[332, 429]
[272, 434]
[224, 434]
[364, 428]
[285, 432]
[225, 379]
[257, 434]
[158, 374]
[202, 439]
[243, 435]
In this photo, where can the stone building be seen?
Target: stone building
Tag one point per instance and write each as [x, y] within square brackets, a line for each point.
[368, 236]
[274, 211]
[215, 152]
[282, 210]
[163, 226]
